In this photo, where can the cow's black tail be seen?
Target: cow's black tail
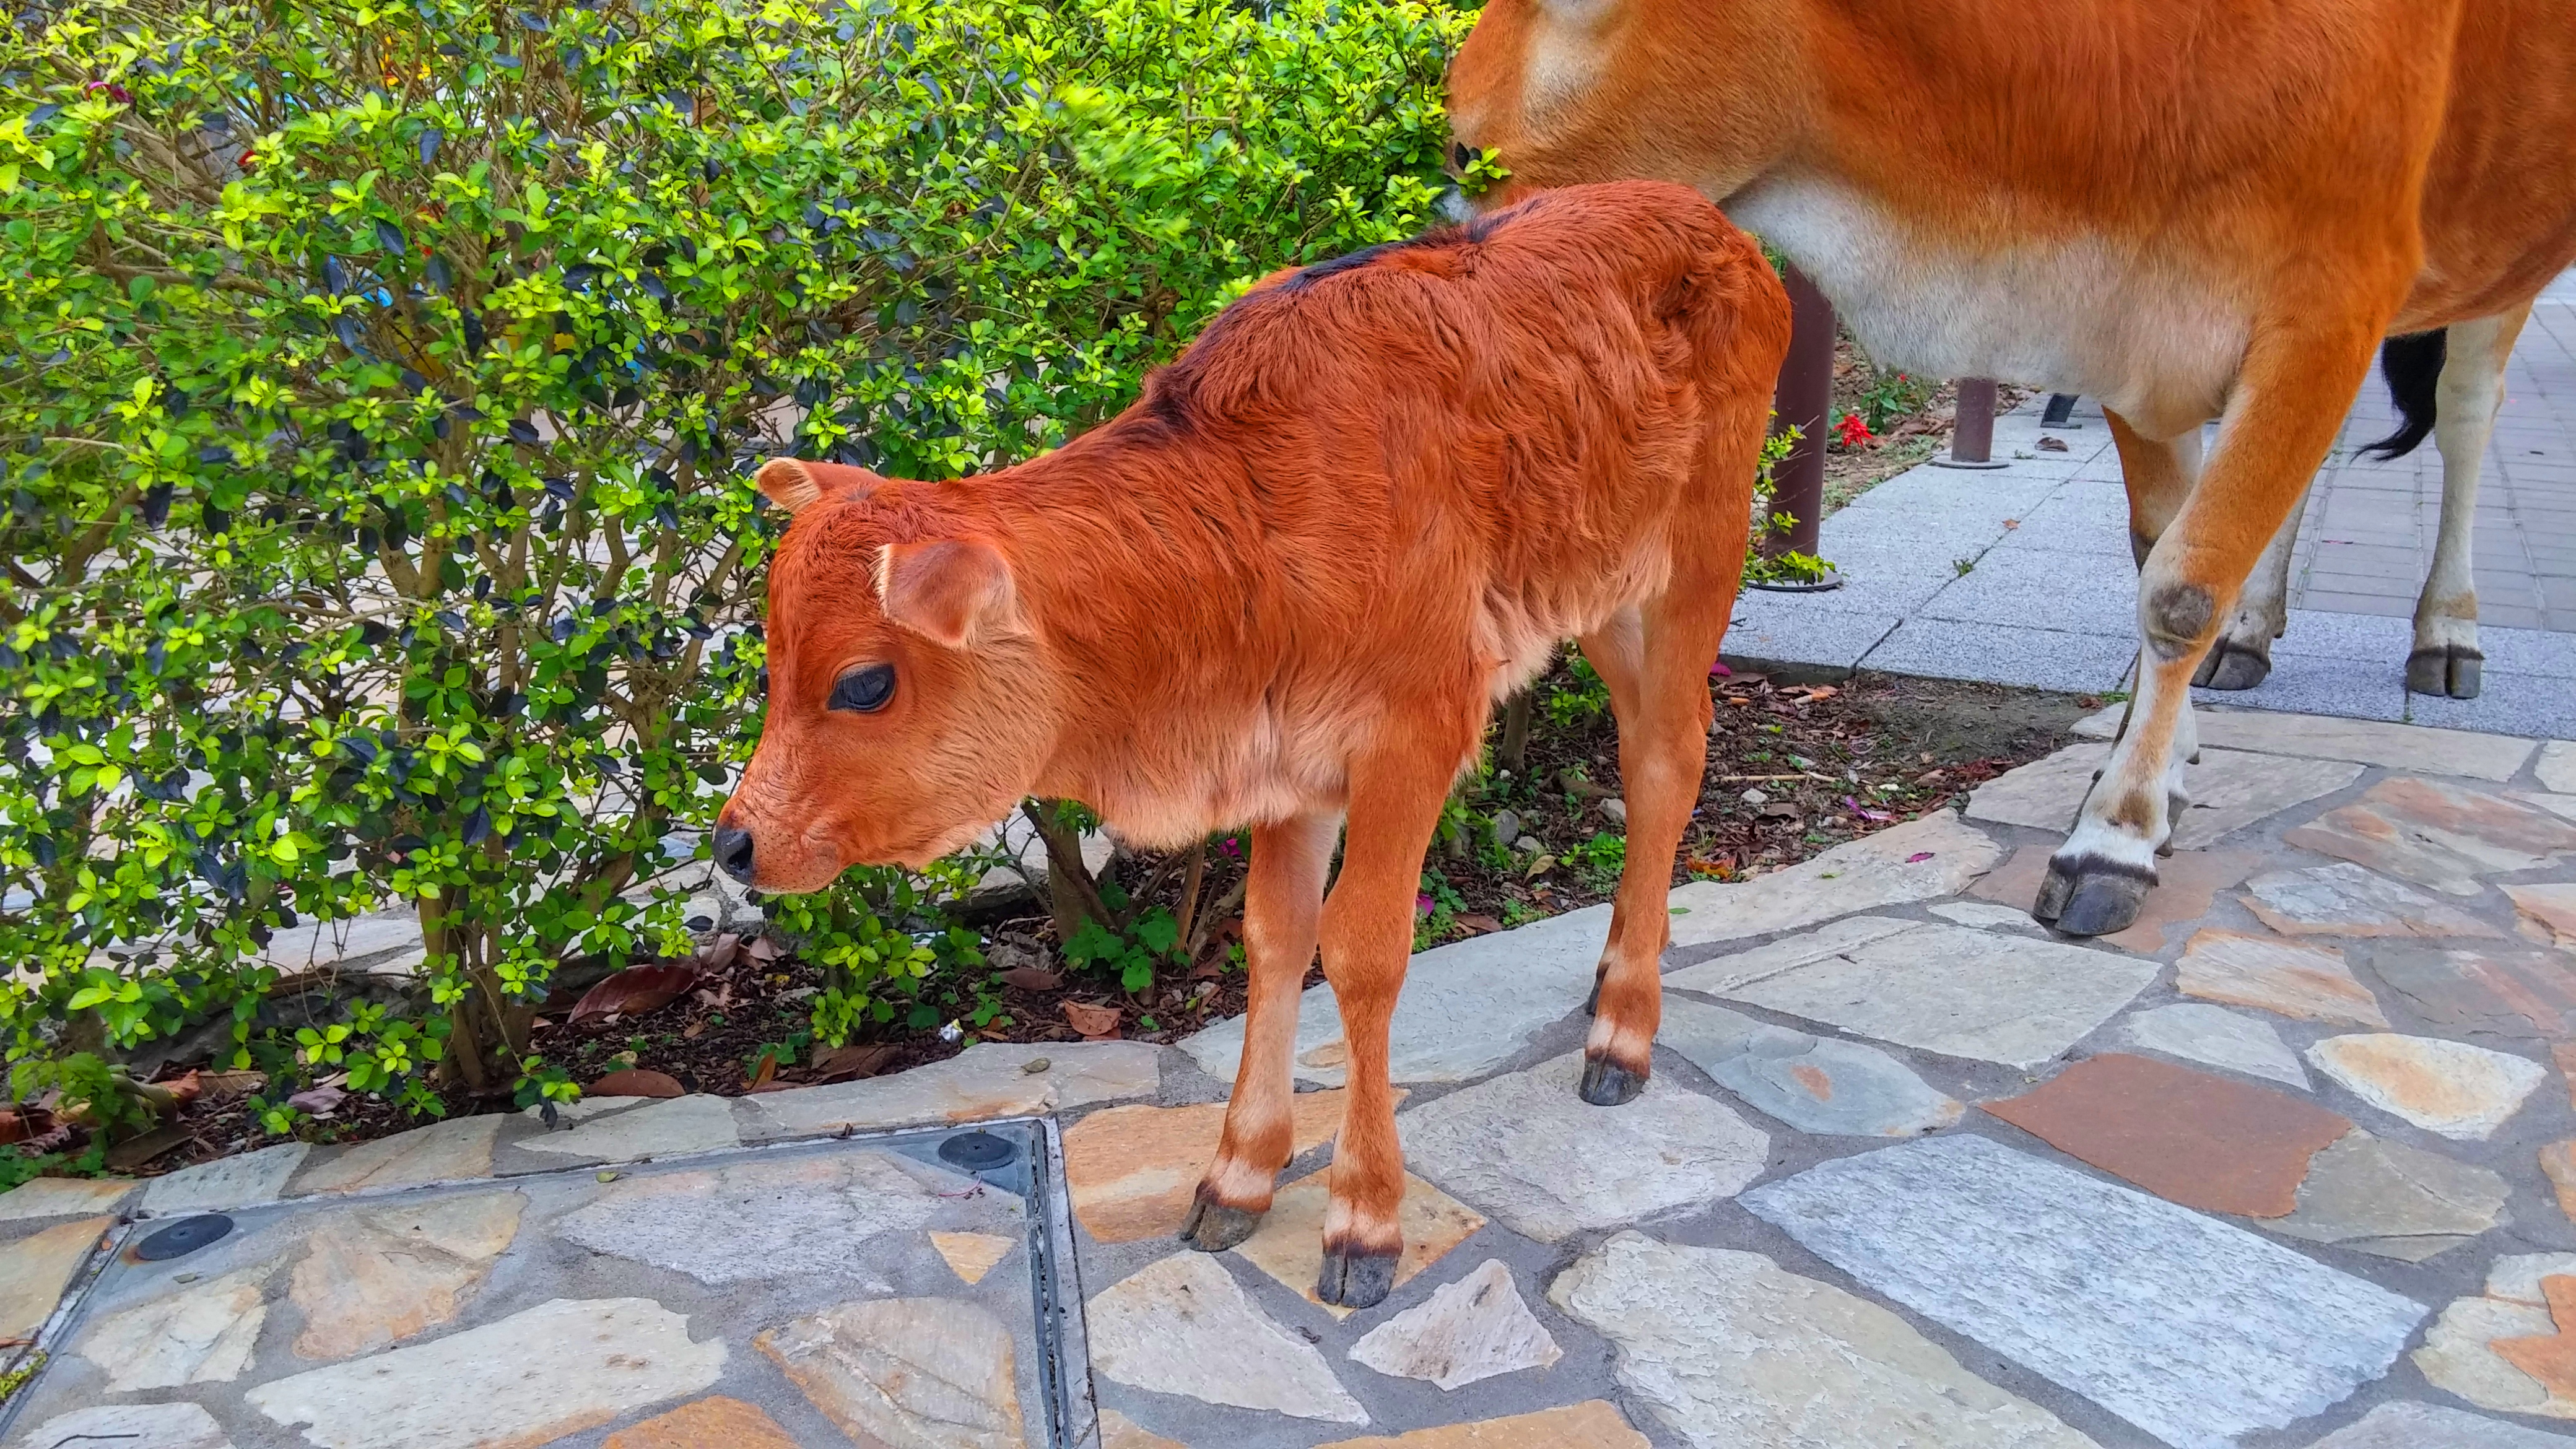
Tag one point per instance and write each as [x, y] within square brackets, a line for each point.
[2413, 364]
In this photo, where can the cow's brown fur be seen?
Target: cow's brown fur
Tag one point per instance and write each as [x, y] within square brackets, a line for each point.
[1288, 585]
[2188, 208]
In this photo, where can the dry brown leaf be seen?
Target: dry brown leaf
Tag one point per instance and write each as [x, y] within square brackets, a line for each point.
[845, 1063]
[693, 1031]
[637, 1082]
[764, 1070]
[635, 991]
[1482, 925]
[721, 953]
[763, 948]
[1094, 1022]
[1030, 978]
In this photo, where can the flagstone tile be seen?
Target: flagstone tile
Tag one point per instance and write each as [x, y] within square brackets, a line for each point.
[987, 1081]
[711, 1423]
[1814, 1084]
[1545, 1163]
[64, 1197]
[1133, 1171]
[2195, 1330]
[1989, 916]
[938, 1373]
[1593, 1425]
[1117, 1431]
[1728, 1349]
[35, 1269]
[754, 1220]
[971, 1255]
[1466, 1332]
[2229, 790]
[2556, 767]
[226, 1183]
[2406, 1425]
[2547, 913]
[1466, 1008]
[203, 1333]
[453, 1150]
[2371, 742]
[2343, 899]
[2190, 1137]
[2460, 1357]
[1184, 1326]
[2558, 1164]
[2489, 991]
[146, 1426]
[1940, 988]
[2216, 1037]
[2285, 978]
[2459, 1091]
[666, 1128]
[1289, 1244]
[1919, 860]
[561, 1367]
[2392, 1200]
[2437, 835]
[371, 1279]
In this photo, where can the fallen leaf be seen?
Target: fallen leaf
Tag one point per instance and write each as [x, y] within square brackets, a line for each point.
[19, 1124]
[1207, 971]
[1481, 925]
[225, 1086]
[1094, 1022]
[1030, 978]
[636, 1082]
[635, 991]
[320, 1101]
[1918, 856]
[772, 1086]
[127, 1156]
[844, 1063]
[764, 1070]
[693, 1031]
[763, 948]
[2052, 445]
[186, 1089]
[721, 953]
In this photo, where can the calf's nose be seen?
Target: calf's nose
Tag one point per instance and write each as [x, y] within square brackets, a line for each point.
[733, 852]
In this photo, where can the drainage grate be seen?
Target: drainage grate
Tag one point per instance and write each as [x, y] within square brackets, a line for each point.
[735, 1243]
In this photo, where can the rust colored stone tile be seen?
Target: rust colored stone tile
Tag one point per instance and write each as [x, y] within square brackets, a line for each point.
[1117, 1431]
[2548, 912]
[2564, 1054]
[2282, 977]
[1593, 1425]
[2549, 1358]
[1133, 1170]
[2187, 884]
[2437, 835]
[2016, 881]
[2204, 1141]
[2558, 1164]
[1289, 1244]
[716, 1423]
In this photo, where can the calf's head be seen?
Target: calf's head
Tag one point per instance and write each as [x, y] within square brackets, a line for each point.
[1701, 92]
[907, 707]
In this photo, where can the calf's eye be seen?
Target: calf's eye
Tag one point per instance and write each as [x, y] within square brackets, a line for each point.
[864, 689]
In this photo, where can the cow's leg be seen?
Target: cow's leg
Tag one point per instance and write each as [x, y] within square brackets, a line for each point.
[2446, 659]
[1282, 899]
[2159, 475]
[1396, 795]
[1663, 754]
[2300, 375]
[2241, 658]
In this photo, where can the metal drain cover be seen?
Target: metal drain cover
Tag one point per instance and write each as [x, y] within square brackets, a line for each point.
[977, 1151]
[183, 1237]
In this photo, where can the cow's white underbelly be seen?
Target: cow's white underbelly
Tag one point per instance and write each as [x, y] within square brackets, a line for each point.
[2074, 315]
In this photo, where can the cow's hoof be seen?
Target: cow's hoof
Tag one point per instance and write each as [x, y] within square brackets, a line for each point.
[2092, 897]
[1213, 1227]
[1608, 1084]
[2231, 665]
[2452, 670]
[1353, 1278]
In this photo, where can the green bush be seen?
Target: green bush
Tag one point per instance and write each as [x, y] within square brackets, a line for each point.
[383, 386]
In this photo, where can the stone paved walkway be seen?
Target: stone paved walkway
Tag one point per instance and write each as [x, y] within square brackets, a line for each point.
[2048, 596]
[2289, 1165]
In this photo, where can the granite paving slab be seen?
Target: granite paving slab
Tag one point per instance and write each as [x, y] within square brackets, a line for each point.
[1923, 859]
[2393, 1200]
[2195, 1331]
[2229, 790]
[2461, 1091]
[2216, 1037]
[2437, 835]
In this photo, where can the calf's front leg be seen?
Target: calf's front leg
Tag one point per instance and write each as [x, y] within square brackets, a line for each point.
[1282, 898]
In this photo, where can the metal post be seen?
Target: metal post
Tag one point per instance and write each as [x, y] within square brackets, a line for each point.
[1804, 398]
[1972, 439]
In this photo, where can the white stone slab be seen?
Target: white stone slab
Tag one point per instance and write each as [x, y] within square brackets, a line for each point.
[2229, 790]
[142, 1426]
[1526, 1150]
[2370, 742]
[555, 1369]
[696, 1123]
[2557, 767]
[1955, 990]
[1815, 1084]
[2219, 1038]
[2461, 1091]
[1468, 1331]
[987, 1081]
[1729, 1350]
[1919, 860]
[2196, 1331]
[1184, 1326]
[226, 1183]
[2407, 1425]
[63, 1197]
[1467, 1007]
[201, 1334]
[760, 1219]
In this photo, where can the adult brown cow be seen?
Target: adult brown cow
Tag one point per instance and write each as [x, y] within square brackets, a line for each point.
[2190, 209]
[1289, 583]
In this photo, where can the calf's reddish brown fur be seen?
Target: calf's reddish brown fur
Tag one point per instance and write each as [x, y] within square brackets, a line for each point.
[1285, 588]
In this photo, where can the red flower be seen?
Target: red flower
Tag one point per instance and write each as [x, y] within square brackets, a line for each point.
[1851, 432]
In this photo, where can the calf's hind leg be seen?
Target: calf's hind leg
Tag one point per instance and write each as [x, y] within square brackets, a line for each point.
[1282, 898]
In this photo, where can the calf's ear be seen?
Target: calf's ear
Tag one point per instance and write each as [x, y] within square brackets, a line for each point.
[952, 591]
[796, 484]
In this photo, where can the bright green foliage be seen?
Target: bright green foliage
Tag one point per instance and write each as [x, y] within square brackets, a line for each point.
[381, 388]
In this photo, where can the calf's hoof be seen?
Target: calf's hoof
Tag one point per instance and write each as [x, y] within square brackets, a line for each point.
[1608, 1084]
[2453, 670]
[2232, 665]
[2092, 896]
[1213, 1227]
[1356, 1278]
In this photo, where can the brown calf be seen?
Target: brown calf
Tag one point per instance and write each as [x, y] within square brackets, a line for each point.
[1287, 586]
[2190, 209]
